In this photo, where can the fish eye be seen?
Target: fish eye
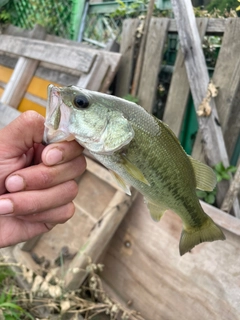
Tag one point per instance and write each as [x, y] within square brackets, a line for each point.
[81, 102]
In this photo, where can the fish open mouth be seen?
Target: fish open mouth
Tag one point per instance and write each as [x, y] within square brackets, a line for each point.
[57, 118]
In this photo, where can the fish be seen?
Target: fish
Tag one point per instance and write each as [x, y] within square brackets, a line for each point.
[140, 150]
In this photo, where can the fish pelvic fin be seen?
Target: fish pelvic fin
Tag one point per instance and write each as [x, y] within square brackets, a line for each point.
[156, 210]
[191, 237]
[121, 183]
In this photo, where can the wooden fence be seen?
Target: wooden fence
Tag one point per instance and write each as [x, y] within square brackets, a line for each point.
[220, 130]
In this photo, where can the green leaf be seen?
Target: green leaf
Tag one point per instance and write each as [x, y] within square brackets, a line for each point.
[11, 305]
[219, 167]
[210, 198]
[226, 176]
[232, 169]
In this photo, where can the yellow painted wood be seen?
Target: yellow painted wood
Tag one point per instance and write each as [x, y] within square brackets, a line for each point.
[5, 74]
[30, 105]
[37, 87]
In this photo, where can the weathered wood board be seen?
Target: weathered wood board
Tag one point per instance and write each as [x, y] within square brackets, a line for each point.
[124, 75]
[59, 54]
[179, 90]
[142, 265]
[227, 78]
[152, 59]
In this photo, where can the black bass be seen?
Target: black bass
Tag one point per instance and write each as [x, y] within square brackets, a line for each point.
[140, 150]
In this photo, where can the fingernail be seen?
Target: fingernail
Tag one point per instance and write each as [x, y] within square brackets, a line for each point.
[54, 156]
[15, 183]
[6, 206]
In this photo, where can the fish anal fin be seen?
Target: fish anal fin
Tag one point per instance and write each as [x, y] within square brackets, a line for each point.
[120, 182]
[205, 176]
[156, 211]
[133, 170]
[209, 231]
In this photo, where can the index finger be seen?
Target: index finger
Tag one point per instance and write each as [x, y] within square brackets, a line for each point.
[61, 152]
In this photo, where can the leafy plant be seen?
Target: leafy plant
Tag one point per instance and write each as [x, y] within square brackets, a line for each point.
[4, 14]
[11, 310]
[222, 173]
[223, 6]
[131, 98]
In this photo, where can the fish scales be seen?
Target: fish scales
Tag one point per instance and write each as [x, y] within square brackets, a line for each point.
[140, 150]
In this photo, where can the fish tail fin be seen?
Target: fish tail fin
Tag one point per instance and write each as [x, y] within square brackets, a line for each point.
[209, 231]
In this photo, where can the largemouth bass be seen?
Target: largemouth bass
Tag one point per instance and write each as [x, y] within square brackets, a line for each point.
[140, 150]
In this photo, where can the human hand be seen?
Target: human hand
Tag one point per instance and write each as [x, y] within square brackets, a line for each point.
[36, 182]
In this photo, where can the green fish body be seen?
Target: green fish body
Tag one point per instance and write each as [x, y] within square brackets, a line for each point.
[140, 150]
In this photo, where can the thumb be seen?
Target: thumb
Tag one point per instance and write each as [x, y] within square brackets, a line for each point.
[21, 134]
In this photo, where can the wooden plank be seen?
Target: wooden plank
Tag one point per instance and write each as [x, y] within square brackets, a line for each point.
[112, 59]
[143, 266]
[227, 78]
[232, 193]
[212, 136]
[216, 26]
[8, 114]
[179, 90]
[152, 60]
[22, 75]
[109, 66]
[142, 49]
[124, 75]
[99, 239]
[58, 54]
[94, 78]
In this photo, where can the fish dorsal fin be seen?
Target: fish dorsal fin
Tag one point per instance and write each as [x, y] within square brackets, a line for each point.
[156, 211]
[121, 182]
[133, 170]
[205, 176]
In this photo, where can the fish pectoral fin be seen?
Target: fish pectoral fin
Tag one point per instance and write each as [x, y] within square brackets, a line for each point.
[191, 237]
[133, 170]
[156, 211]
[121, 182]
[205, 176]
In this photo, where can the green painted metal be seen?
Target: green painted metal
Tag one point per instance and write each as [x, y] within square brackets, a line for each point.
[236, 153]
[77, 13]
[164, 4]
[189, 128]
[106, 7]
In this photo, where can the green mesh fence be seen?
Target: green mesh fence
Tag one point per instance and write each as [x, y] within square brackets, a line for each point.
[56, 16]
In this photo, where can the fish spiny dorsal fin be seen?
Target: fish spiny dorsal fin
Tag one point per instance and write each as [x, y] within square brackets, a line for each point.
[205, 176]
[156, 211]
[121, 182]
[133, 170]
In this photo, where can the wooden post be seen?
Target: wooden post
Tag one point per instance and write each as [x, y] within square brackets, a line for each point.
[178, 95]
[212, 136]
